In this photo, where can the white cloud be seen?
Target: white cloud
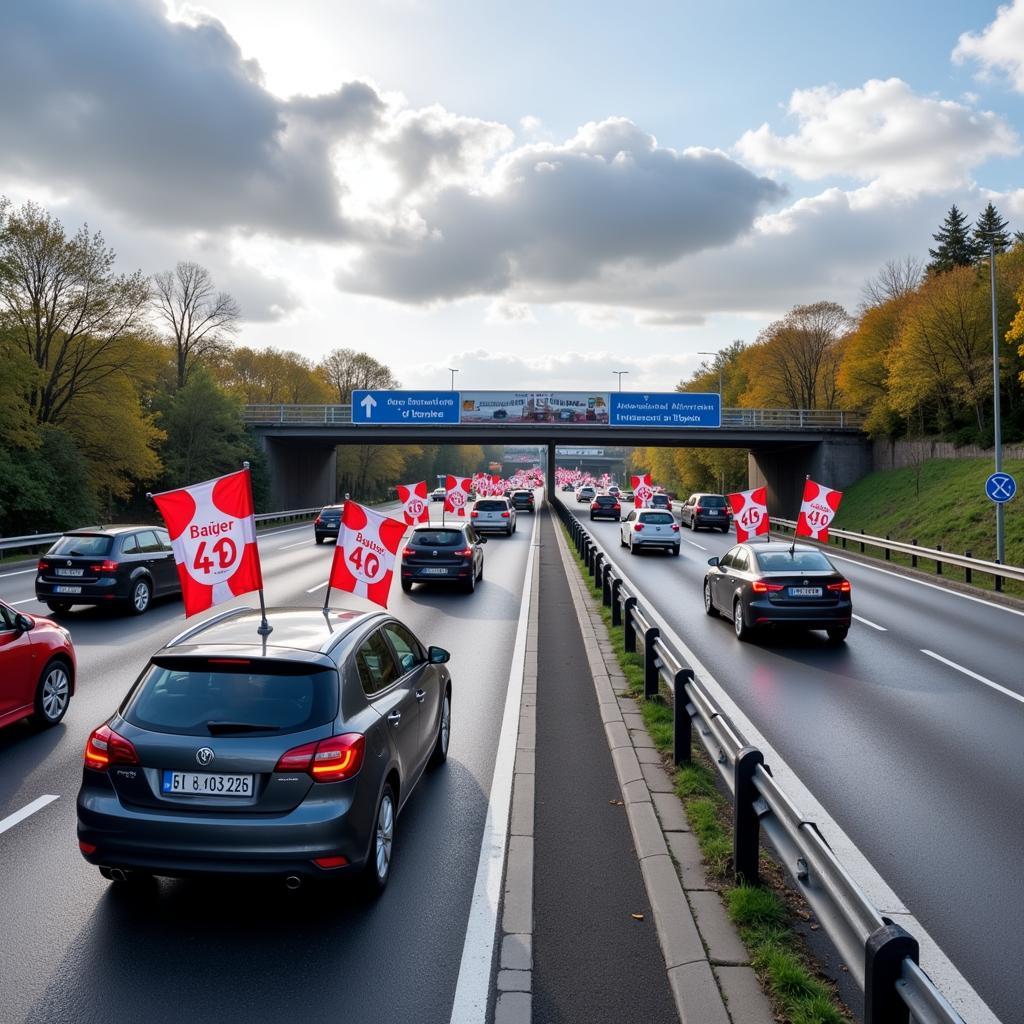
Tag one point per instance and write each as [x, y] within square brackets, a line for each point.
[882, 132]
[502, 312]
[999, 46]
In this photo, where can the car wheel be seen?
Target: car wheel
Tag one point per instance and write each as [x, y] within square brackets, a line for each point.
[470, 584]
[444, 729]
[622, 543]
[709, 604]
[59, 607]
[407, 585]
[319, 539]
[142, 594]
[740, 628]
[675, 551]
[53, 693]
[378, 864]
[725, 529]
[837, 634]
[480, 574]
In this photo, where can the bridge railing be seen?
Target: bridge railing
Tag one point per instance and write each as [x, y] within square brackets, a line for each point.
[276, 414]
[882, 956]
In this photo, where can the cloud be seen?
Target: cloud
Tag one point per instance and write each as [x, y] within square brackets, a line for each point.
[999, 47]
[560, 214]
[881, 132]
[503, 313]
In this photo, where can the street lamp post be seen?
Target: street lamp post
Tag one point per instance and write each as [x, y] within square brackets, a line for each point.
[619, 374]
[718, 363]
[452, 371]
[997, 425]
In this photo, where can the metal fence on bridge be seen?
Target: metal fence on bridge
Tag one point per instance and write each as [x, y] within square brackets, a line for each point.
[882, 956]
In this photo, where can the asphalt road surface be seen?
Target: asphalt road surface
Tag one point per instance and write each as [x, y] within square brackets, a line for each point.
[73, 948]
[917, 759]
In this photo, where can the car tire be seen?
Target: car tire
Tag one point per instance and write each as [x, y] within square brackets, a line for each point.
[444, 729]
[837, 634]
[378, 865]
[622, 543]
[53, 692]
[675, 551]
[709, 605]
[470, 584]
[59, 607]
[319, 539]
[739, 627]
[141, 596]
[725, 529]
[407, 585]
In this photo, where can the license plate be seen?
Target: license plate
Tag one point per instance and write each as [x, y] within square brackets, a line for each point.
[805, 591]
[67, 590]
[70, 572]
[713, 512]
[207, 784]
[435, 572]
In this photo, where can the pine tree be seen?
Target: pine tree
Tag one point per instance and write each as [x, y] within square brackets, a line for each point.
[1018, 237]
[955, 248]
[990, 227]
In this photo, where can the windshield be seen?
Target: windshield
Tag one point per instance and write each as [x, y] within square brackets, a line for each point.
[196, 699]
[92, 544]
[799, 561]
[438, 538]
[657, 518]
[711, 501]
[490, 505]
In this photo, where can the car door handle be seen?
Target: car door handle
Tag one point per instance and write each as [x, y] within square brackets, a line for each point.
[395, 717]
[421, 695]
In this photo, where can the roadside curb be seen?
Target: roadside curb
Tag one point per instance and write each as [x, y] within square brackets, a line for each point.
[707, 964]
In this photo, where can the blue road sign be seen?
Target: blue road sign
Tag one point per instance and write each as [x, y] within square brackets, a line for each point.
[669, 409]
[1000, 487]
[406, 407]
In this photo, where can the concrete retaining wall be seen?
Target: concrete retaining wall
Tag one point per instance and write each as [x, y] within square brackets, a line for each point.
[889, 454]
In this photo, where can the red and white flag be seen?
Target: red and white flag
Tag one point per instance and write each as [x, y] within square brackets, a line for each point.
[817, 511]
[749, 512]
[497, 486]
[213, 534]
[364, 558]
[415, 507]
[456, 495]
[481, 484]
[642, 491]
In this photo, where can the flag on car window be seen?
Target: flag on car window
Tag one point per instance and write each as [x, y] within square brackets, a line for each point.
[456, 495]
[364, 557]
[413, 497]
[749, 512]
[817, 510]
[213, 534]
[642, 491]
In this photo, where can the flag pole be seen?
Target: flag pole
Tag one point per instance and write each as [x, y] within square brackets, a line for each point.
[792, 547]
[265, 628]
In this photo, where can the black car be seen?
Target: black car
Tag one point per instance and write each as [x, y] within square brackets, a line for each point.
[775, 584]
[522, 500]
[328, 523]
[287, 756]
[709, 510]
[443, 553]
[112, 565]
[606, 506]
[661, 501]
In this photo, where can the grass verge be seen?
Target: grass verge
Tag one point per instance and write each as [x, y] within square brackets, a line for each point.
[762, 914]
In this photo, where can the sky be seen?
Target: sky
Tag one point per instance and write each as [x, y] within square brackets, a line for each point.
[535, 194]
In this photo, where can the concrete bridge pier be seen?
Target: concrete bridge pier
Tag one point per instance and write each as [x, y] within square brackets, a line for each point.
[302, 474]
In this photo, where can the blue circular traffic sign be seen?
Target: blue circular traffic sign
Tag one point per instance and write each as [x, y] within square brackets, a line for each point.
[1000, 487]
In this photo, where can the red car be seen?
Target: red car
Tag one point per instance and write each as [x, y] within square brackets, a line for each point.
[37, 668]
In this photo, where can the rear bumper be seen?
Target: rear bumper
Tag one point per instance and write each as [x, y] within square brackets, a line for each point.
[718, 521]
[100, 592]
[764, 613]
[616, 516]
[324, 534]
[418, 574]
[660, 542]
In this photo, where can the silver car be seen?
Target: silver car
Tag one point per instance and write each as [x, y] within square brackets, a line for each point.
[649, 528]
[494, 515]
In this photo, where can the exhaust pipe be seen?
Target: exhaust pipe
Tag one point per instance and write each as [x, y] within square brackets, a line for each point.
[119, 874]
[293, 882]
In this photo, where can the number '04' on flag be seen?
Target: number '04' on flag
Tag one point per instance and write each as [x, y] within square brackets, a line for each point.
[364, 559]
[817, 511]
[213, 535]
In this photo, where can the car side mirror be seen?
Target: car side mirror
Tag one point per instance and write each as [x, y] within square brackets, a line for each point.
[23, 623]
[437, 655]
[713, 561]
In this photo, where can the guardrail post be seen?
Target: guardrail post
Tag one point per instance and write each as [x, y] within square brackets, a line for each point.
[595, 565]
[967, 572]
[862, 542]
[746, 834]
[888, 553]
[616, 604]
[913, 558]
[606, 585]
[844, 543]
[650, 663]
[628, 628]
[884, 952]
[938, 564]
[999, 582]
[682, 724]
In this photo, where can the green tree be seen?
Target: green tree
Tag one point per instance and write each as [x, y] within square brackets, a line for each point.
[988, 228]
[955, 247]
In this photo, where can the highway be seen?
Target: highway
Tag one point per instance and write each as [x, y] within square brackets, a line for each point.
[908, 735]
[73, 948]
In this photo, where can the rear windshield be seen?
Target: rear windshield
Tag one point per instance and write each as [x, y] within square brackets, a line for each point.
[658, 518]
[711, 501]
[799, 561]
[438, 538]
[522, 494]
[194, 700]
[606, 499]
[331, 510]
[83, 544]
[490, 505]
[659, 499]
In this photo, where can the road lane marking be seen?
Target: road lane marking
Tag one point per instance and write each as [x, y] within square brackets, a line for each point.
[12, 819]
[319, 586]
[693, 543]
[28, 600]
[974, 675]
[298, 544]
[473, 987]
[868, 622]
[19, 572]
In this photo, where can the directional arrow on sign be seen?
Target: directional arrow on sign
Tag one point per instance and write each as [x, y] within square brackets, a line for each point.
[368, 403]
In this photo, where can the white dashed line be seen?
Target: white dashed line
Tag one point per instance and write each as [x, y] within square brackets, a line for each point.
[12, 819]
[19, 572]
[319, 586]
[300, 544]
[28, 600]
[974, 675]
[694, 544]
[868, 622]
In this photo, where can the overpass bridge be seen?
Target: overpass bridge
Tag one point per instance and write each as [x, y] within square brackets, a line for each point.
[784, 445]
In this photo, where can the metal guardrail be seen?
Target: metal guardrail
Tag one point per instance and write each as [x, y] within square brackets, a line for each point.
[966, 561]
[37, 540]
[276, 414]
[882, 956]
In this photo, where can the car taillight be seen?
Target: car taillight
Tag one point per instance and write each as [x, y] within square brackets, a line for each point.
[697, 510]
[505, 515]
[407, 553]
[760, 587]
[474, 514]
[317, 521]
[42, 566]
[638, 527]
[675, 527]
[330, 760]
[595, 504]
[105, 566]
[106, 747]
[842, 587]
[465, 552]
[617, 507]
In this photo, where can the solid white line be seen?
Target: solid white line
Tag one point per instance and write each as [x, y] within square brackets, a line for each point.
[472, 989]
[11, 820]
[28, 600]
[20, 572]
[693, 543]
[868, 622]
[974, 675]
[925, 583]
[319, 586]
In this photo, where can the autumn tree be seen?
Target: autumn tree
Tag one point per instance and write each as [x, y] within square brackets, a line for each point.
[269, 375]
[346, 370]
[199, 319]
[895, 280]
